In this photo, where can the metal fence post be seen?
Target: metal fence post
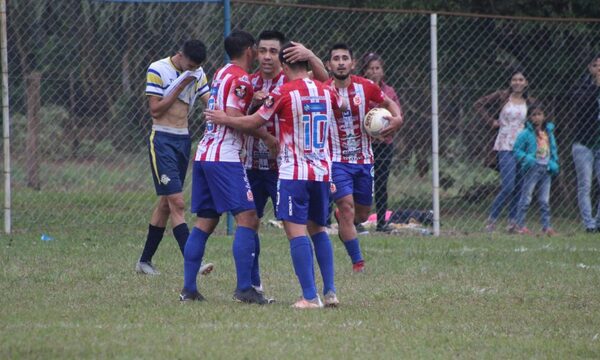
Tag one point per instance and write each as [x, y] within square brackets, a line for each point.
[5, 118]
[434, 129]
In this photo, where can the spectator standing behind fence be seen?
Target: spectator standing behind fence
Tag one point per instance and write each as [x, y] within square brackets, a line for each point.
[506, 110]
[536, 151]
[383, 151]
[586, 147]
[172, 85]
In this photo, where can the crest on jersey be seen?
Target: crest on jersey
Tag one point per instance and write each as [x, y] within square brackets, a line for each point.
[240, 91]
[244, 78]
[356, 100]
[269, 101]
[249, 195]
[164, 179]
[332, 188]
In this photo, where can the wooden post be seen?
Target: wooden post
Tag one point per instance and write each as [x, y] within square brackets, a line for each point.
[33, 124]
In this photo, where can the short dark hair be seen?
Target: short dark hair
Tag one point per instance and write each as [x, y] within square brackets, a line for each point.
[272, 35]
[341, 46]
[294, 65]
[195, 50]
[237, 42]
[536, 105]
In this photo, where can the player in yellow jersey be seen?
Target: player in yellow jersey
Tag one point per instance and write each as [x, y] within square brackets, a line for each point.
[172, 86]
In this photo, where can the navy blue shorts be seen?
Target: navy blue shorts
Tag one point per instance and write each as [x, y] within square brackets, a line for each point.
[355, 179]
[301, 200]
[264, 186]
[218, 187]
[169, 158]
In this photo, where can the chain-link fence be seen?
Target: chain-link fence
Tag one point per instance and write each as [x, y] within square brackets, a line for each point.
[79, 113]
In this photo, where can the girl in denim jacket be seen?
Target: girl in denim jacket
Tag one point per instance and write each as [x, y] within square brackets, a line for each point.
[536, 151]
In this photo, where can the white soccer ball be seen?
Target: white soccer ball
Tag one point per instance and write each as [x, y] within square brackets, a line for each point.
[375, 122]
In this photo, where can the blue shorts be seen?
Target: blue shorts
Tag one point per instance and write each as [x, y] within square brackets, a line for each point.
[301, 200]
[353, 179]
[218, 187]
[169, 158]
[264, 186]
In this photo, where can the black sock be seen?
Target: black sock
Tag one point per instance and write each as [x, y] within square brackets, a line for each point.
[181, 233]
[155, 235]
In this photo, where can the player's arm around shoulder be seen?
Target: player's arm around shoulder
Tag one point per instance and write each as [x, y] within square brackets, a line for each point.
[244, 123]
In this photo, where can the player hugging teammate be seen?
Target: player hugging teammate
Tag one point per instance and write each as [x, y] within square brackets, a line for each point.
[314, 131]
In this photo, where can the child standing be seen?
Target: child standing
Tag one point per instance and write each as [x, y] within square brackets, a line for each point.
[536, 151]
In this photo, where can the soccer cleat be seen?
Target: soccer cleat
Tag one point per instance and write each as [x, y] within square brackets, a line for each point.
[259, 289]
[513, 229]
[523, 231]
[591, 230]
[250, 296]
[146, 267]
[308, 304]
[387, 228]
[490, 226]
[187, 295]
[549, 232]
[360, 229]
[330, 299]
[359, 267]
[206, 269]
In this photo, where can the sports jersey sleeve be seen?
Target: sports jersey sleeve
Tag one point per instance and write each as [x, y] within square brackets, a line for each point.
[240, 94]
[271, 105]
[375, 94]
[202, 85]
[154, 82]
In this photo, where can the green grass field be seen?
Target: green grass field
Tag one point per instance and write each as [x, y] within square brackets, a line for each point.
[422, 297]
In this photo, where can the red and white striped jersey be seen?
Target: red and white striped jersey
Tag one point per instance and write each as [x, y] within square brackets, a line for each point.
[349, 142]
[230, 88]
[304, 110]
[256, 153]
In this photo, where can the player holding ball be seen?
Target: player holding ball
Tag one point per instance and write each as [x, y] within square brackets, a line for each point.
[352, 156]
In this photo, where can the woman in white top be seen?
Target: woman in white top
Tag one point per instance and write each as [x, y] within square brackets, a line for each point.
[506, 111]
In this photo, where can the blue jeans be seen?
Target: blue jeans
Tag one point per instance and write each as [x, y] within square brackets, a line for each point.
[537, 174]
[510, 188]
[587, 161]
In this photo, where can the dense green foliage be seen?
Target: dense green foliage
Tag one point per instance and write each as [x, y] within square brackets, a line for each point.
[554, 8]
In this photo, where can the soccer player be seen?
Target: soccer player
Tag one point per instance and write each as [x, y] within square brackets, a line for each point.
[352, 156]
[172, 86]
[219, 182]
[302, 109]
[260, 163]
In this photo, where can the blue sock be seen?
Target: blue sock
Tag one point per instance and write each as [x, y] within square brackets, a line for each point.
[181, 233]
[255, 265]
[243, 254]
[155, 235]
[302, 259]
[353, 249]
[324, 253]
[192, 257]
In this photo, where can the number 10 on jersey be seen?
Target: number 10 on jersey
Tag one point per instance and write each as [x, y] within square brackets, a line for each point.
[315, 131]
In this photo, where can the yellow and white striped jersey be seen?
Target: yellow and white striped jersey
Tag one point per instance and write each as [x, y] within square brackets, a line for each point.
[162, 73]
